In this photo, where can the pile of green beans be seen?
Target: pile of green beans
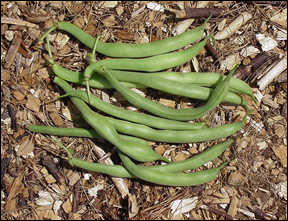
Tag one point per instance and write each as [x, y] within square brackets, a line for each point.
[127, 129]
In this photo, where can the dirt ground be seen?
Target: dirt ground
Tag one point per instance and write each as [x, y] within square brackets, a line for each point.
[38, 183]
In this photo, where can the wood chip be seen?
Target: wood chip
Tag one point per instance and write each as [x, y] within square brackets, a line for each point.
[281, 153]
[33, 103]
[57, 120]
[16, 188]
[279, 130]
[73, 177]
[181, 156]
[5, 75]
[110, 4]
[109, 21]
[236, 178]
[160, 149]
[11, 54]
[132, 205]
[280, 18]
[67, 206]
[5, 20]
[167, 102]
[26, 148]
[18, 95]
[232, 211]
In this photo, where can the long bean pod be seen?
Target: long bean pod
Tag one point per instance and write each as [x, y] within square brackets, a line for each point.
[188, 164]
[150, 64]
[174, 136]
[167, 112]
[170, 179]
[140, 150]
[137, 117]
[132, 50]
[162, 84]
[186, 80]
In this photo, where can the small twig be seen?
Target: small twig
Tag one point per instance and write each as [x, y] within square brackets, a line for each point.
[245, 70]
[76, 197]
[5, 20]
[202, 12]
[196, 12]
[275, 3]
[12, 115]
[219, 212]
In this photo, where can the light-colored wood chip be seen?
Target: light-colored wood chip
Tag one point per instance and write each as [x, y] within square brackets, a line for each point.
[33, 103]
[281, 153]
[67, 206]
[232, 211]
[13, 21]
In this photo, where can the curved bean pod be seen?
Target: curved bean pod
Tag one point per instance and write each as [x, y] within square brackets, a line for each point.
[170, 179]
[139, 150]
[164, 111]
[150, 64]
[162, 84]
[174, 136]
[188, 164]
[207, 79]
[132, 116]
[132, 50]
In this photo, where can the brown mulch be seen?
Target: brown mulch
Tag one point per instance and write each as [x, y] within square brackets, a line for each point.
[38, 183]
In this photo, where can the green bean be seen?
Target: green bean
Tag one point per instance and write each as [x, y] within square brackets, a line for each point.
[164, 111]
[170, 179]
[173, 167]
[78, 78]
[141, 118]
[173, 136]
[141, 150]
[183, 165]
[185, 80]
[132, 50]
[166, 85]
[150, 64]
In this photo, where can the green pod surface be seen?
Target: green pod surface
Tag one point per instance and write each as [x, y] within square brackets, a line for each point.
[139, 150]
[170, 179]
[129, 50]
[162, 110]
[159, 83]
[150, 64]
[119, 171]
[174, 136]
[133, 116]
